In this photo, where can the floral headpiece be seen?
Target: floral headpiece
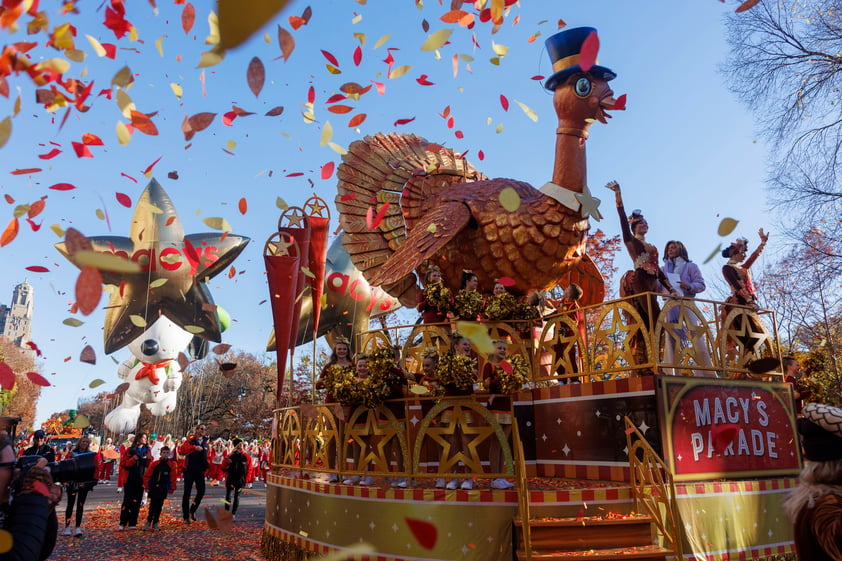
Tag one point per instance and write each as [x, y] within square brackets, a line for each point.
[360, 356]
[430, 352]
[636, 218]
[737, 245]
[341, 340]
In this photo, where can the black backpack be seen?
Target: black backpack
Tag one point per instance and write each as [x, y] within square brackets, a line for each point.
[237, 470]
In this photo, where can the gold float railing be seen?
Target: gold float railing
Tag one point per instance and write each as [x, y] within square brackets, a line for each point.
[522, 486]
[455, 434]
[654, 488]
[691, 337]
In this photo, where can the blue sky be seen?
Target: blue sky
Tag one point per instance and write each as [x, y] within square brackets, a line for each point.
[684, 151]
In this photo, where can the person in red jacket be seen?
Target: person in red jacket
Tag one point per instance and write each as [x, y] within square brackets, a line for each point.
[159, 481]
[195, 452]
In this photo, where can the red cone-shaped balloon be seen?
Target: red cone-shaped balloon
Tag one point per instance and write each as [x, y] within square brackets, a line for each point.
[319, 215]
[281, 257]
[295, 223]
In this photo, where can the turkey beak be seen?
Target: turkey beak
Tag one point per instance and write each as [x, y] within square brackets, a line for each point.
[606, 103]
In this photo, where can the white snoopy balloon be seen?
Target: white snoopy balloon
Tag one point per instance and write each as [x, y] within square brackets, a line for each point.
[153, 374]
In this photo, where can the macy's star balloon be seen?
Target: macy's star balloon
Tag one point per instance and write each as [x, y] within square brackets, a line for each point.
[172, 275]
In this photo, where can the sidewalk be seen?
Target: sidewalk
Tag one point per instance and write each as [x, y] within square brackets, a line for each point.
[176, 541]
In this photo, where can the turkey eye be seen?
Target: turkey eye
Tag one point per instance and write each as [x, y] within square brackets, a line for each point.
[583, 87]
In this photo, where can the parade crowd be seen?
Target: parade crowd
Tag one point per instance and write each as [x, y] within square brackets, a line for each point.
[148, 469]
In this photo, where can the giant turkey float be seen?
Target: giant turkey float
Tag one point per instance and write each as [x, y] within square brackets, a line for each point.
[616, 452]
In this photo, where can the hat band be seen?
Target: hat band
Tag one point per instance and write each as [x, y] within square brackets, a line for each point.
[567, 62]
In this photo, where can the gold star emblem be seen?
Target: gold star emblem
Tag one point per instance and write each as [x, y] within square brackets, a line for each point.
[314, 206]
[590, 204]
[294, 217]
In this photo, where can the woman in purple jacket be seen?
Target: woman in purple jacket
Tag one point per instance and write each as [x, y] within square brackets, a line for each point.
[687, 278]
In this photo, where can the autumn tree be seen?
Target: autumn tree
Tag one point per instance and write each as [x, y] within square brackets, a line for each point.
[19, 400]
[785, 64]
[805, 290]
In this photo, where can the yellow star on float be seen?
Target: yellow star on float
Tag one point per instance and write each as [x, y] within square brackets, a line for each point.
[590, 204]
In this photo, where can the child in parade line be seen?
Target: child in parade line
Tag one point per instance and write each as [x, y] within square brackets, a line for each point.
[500, 405]
[341, 356]
[134, 460]
[237, 467]
[77, 492]
[159, 480]
[461, 346]
[362, 370]
[254, 455]
[107, 465]
[121, 471]
[216, 456]
[395, 403]
[429, 379]
[265, 459]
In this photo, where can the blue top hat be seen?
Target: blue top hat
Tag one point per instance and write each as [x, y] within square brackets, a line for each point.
[564, 49]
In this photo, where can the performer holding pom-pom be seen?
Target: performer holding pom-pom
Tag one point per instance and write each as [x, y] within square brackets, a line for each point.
[340, 359]
[501, 305]
[435, 300]
[467, 305]
[457, 372]
[501, 382]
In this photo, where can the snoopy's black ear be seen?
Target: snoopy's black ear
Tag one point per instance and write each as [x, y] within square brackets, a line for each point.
[198, 348]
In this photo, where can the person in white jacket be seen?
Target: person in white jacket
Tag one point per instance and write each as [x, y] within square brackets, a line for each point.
[686, 277]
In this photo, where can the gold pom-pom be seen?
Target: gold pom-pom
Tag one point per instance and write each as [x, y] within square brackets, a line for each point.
[458, 371]
[468, 305]
[500, 307]
[437, 297]
[510, 382]
[341, 381]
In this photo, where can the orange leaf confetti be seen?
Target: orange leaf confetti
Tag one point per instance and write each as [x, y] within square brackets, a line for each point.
[357, 120]
[747, 5]
[242, 205]
[10, 233]
[188, 17]
[143, 123]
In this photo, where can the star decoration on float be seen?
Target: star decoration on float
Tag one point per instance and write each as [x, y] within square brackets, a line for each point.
[174, 269]
[590, 204]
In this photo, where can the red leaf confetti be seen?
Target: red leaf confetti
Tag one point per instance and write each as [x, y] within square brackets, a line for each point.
[7, 376]
[589, 51]
[36, 378]
[425, 532]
